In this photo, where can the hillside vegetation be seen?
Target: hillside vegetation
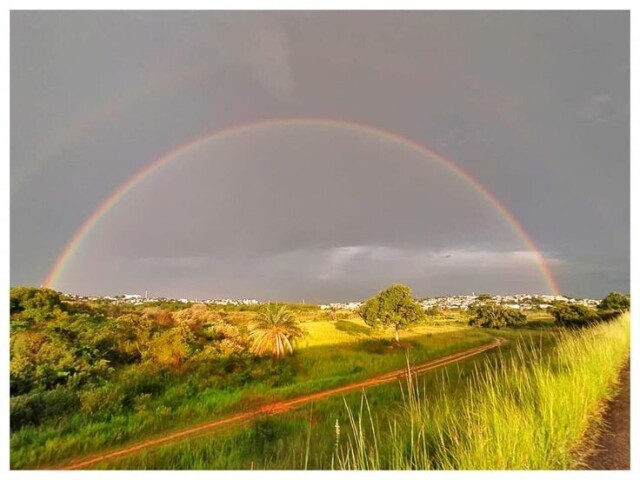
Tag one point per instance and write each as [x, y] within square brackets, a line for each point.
[87, 376]
[528, 406]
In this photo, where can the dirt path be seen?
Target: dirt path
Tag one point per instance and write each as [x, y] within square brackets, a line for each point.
[613, 444]
[274, 408]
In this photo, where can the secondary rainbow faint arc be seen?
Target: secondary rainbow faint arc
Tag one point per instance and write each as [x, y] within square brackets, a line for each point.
[66, 255]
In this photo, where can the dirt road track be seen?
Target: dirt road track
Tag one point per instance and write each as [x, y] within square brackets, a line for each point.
[613, 445]
[274, 408]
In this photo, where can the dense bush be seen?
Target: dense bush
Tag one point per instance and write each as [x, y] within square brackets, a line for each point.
[97, 358]
[496, 316]
[36, 407]
[433, 311]
[573, 315]
[101, 401]
[615, 302]
[31, 298]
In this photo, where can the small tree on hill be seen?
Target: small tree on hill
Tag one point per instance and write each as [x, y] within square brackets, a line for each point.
[393, 307]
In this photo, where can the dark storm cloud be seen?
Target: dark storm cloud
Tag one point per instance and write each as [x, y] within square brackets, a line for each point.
[533, 104]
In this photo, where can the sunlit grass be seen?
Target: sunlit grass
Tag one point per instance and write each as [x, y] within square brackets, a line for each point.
[526, 406]
[313, 425]
[530, 410]
[353, 328]
[334, 353]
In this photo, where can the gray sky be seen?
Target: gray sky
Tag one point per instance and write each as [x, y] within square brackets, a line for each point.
[534, 105]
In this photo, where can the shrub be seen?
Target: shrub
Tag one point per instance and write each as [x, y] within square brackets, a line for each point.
[169, 347]
[433, 311]
[31, 298]
[571, 315]
[138, 380]
[496, 316]
[142, 402]
[36, 407]
[23, 412]
[616, 302]
[101, 401]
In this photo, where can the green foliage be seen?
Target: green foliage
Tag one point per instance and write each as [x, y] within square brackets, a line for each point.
[615, 302]
[31, 305]
[217, 388]
[274, 331]
[496, 316]
[393, 307]
[433, 311]
[31, 298]
[104, 401]
[98, 374]
[38, 406]
[196, 316]
[574, 315]
[80, 346]
[305, 438]
[169, 347]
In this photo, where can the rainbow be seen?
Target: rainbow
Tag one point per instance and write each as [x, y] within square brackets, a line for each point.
[83, 232]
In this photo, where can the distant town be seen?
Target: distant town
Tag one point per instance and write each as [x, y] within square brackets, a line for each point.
[455, 302]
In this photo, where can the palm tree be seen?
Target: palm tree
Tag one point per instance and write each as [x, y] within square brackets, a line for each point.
[274, 330]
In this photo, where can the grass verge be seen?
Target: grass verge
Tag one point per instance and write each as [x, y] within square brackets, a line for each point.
[530, 410]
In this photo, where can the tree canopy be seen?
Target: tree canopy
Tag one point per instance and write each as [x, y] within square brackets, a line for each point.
[617, 302]
[574, 315]
[496, 316]
[393, 307]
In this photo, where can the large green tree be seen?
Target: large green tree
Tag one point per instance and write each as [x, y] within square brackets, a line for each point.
[393, 307]
[274, 331]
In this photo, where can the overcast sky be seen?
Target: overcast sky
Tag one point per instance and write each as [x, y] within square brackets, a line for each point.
[534, 105]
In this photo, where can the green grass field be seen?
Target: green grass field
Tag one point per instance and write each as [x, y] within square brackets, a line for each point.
[332, 354]
[529, 410]
[527, 406]
[466, 415]
[281, 442]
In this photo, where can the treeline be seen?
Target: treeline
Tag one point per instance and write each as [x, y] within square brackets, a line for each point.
[565, 314]
[496, 316]
[572, 315]
[103, 358]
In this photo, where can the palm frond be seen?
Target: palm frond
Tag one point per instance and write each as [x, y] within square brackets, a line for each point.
[274, 330]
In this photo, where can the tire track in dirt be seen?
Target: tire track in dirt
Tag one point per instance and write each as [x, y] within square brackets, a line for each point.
[275, 408]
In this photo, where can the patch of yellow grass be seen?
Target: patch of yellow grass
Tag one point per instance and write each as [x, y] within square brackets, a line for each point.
[321, 333]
